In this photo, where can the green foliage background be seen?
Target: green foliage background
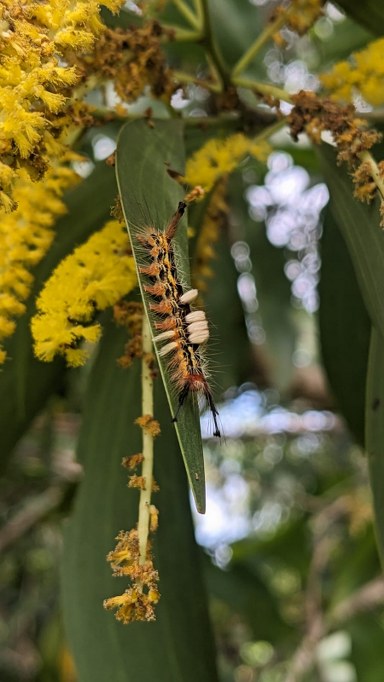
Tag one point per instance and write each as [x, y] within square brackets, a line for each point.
[322, 552]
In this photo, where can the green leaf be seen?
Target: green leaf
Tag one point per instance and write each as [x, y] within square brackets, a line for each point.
[359, 225]
[374, 437]
[287, 545]
[362, 566]
[369, 13]
[347, 36]
[367, 632]
[178, 646]
[149, 194]
[243, 589]
[344, 326]
[26, 383]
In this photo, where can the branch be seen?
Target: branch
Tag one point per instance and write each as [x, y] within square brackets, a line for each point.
[147, 469]
[366, 157]
[211, 46]
[187, 13]
[367, 598]
[32, 513]
[264, 89]
[304, 655]
[260, 41]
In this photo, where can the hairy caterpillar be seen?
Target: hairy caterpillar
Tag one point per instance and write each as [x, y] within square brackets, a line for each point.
[183, 329]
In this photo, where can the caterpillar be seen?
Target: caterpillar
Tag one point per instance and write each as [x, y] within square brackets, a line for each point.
[184, 330]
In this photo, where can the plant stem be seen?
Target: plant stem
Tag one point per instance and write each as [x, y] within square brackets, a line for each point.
[184, 77]
[230, 119]
[262, 88]
[375, 116]
[31, 514]
[187, 14]
[270, 130]
[181, 34]
[199, 11]
[212, 47]
[367, 598]
[261, 39]
[366, 157]
[147, 469]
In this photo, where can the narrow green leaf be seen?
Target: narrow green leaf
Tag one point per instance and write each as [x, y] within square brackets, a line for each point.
[178, 646]
[362, 566]
[148, 193]
[374, 435]
[369, 13]
[359, 225]
[364, 238]
[344, 326]
[367, 631]
[246, 593]
[347, 36]
[27, 383]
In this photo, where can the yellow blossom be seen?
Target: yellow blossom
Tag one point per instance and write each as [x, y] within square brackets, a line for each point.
[209, 234]
[148, 424]
[96, 275]
[363, 73]
[25, 236]
[36, 78]
[138, 601]
[302, 14]
[134, 59]
[219, 157]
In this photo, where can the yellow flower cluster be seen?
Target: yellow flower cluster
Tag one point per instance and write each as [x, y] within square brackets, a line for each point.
[363, 73]
[96, 275]
[314, 115]
[138, 601]
[209, 234]
[35, 79]
[129, 314]
[219, 157]
[25, 236]
[134, 59]
[302, 14]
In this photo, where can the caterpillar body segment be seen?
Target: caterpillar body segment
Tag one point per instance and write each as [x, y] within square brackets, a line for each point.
[184, 331]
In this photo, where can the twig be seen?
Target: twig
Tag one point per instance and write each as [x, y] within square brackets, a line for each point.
[180, 34]
[270, 130]
[184, 77]
[368, 597]
[260, 41]
[147, 469]
[33, 512]
[304, 655]
[367, 158]
[199, 11]
[212, 47]
[259, 88]
[187, 14]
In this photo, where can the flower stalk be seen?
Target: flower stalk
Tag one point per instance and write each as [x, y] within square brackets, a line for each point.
[264, 89]
[366, 157]
[187, 14]
[147, 451]
[260, 41]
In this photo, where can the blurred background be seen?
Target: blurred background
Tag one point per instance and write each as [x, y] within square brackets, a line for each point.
[288, 527]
